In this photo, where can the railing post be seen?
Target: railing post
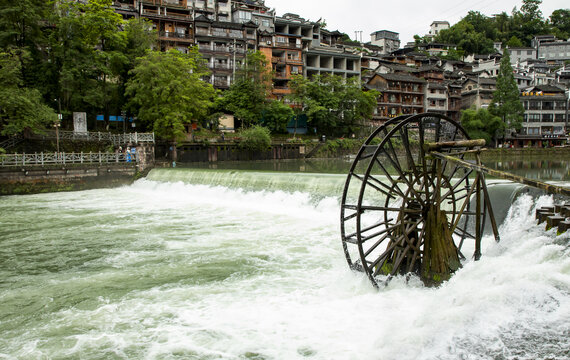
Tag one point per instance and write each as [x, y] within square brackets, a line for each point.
[99, 157]
[82, 157]
[42, 154]
[23, 159]
[63, 157]
[136, 138]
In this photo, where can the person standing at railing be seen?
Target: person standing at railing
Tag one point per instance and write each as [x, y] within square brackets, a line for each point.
[128, 154]
[134, 154]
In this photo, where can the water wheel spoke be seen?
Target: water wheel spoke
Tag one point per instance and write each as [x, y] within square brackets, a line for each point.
[366, 181]
[402, 176]
[426, 197]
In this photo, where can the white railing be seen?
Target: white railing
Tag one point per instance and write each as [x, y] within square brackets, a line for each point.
[65, 158]
[116, 139]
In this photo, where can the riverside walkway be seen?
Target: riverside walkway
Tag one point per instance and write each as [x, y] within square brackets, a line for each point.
[41, 159]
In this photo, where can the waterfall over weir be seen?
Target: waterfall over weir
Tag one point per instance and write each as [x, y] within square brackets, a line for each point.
[220, 264]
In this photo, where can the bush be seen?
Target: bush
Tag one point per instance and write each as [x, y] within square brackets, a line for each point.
[256, 138]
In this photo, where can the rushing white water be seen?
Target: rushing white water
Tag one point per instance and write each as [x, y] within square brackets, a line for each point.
[174, 270]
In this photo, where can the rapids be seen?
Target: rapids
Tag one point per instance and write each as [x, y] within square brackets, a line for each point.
[204, 264]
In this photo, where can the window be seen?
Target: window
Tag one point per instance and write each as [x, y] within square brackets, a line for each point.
[244, 16]
[294, 69]
[265, 23]
[293, 56]
[529, 52]
[533, 117]
[280, 39]
[547, 118]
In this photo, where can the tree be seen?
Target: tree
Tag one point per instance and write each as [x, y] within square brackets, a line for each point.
[21, 108]
[255, 138]
[166, 92]
[276, 116]
[528, 22]
[88, 53]
[247, 95]
[481, 124]
[560, 23]
[333, 105]
[506, 103]
[514, 42]
[467, 38]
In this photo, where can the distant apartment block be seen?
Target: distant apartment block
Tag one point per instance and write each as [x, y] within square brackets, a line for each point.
[519, 55]
[551, 49]
[437, 26]
[388, 41]
[477, 92]
[402, 94]
[545, 117]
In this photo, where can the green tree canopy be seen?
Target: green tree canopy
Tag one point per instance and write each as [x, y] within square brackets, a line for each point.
[21, 108]
[166, 91]
[560, 22]
[481, 124]
[247, 96]
[255, 138]
[335, 106]
[276, 115]
[506, 102]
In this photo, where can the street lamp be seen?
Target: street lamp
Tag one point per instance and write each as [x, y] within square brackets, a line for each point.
[56, 125]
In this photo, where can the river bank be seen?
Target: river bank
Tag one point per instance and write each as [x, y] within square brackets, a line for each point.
[336, 158]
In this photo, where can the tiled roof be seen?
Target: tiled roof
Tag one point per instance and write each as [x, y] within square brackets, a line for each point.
[402, 77]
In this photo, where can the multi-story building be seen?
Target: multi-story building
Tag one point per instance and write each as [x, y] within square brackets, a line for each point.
[332, 60]
[326, 55]
[436, 99]
[549, 48]
[454, 100]
[402, 94]
[173, 21]
[284, 50]
[389, 41]
[517, 55]
[477, 92]
[224, 46]
[545, 117]
[436, 27]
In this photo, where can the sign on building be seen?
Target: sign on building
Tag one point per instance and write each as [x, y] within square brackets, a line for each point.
[79, 122]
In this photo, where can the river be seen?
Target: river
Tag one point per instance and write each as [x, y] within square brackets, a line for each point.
[241, 264]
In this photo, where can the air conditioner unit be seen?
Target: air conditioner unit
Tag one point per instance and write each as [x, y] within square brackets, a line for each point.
[269, 43]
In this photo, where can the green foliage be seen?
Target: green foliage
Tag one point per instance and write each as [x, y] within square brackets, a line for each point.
[276, 116]
[476, 33]
[255, 138]
[481, 124]
[506, 102]
[20, 23]
[246, 98]
[560, 23]
[166, 91]
[467, 36]
[514, 42]
[21, 108]
[335, 106]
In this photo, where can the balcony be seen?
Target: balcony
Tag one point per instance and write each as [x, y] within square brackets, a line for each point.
[175, 36]
[221, 83]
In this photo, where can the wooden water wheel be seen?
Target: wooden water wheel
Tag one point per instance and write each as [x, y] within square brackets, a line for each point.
[405, 211]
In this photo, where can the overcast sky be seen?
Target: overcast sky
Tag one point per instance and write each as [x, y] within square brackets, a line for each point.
[407, 17]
